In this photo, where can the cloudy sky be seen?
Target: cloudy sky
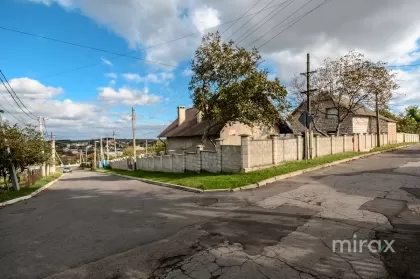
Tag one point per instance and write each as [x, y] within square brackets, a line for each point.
[87, 93]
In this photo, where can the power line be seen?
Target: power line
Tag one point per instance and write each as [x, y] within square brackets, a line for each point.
[241, 17]
[294, 22]
[153, 46]
[255, 14]
[19, 121]
[263, 35]
[268, 19]
[33, 115]
[17, 113]
[88, 47]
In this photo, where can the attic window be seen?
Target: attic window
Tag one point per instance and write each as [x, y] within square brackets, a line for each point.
[331, 113]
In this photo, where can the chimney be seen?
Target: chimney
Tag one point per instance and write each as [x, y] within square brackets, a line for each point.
[199, 116]
[181, 115]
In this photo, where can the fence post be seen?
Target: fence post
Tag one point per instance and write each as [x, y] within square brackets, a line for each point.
[344, 143]
[332, 143]
[199, 148]
[184, 159]
[219, 150]
[245, 152]
[299, 143]
[275, 148]
[316, 137]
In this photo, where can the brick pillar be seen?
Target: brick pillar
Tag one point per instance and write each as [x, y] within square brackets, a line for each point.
[199, 148]
[332, 143]
[219, 155]
[344, 143]
[245, 152]
[275, 151]
[299, 142]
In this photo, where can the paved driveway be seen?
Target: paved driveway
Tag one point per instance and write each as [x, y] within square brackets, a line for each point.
[97, 226]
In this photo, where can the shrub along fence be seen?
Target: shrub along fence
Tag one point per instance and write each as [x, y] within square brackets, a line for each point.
[256, 154]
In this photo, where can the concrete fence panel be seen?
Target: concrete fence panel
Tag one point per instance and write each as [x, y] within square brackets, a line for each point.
[261, 152]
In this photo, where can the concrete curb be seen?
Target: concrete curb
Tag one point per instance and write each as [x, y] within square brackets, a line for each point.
[33, 194]
[299, 172]
[261, 183]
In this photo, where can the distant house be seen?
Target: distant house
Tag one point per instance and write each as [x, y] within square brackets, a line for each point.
[186, 132]
[361, 120]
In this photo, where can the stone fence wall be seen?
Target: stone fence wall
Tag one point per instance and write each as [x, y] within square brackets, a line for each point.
[256, 154]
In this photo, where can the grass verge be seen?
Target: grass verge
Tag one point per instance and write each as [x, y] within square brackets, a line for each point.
[27, 190]
[209, 181]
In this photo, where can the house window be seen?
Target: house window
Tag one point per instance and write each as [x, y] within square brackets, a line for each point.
[331, 113]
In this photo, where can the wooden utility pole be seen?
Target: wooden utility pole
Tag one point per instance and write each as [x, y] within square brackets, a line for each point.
[133, 124]
[12, 170]
[309, 133]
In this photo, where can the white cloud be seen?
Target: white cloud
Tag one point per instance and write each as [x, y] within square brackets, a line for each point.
[162, 77]
[72, 119]
[205, 17]
[132, 77]
[30, 88]
[127, 96]
[111, 75]
[329, 31]
[106, 62]
[187, 73]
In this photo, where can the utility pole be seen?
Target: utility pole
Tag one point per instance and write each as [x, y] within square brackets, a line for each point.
[133, 124]
[309, 133]
[80, 155]
[12, 170]
[101, 155]
[378, 130]
[107, 149]
[86, 154]
[41, 132]
[94, 154]
[115, 143]
[52, 168]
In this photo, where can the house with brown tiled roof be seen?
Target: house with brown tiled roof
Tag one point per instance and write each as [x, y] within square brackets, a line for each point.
[187, 131]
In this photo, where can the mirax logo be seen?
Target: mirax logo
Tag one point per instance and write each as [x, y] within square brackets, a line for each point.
[357, 245]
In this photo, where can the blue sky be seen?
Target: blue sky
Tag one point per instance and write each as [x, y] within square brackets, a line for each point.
[51, 63]
[96, 100]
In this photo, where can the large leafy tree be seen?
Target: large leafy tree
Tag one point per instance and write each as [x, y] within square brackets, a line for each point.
[27, 147]
[409, 121]
[349, 83]
[229, 85]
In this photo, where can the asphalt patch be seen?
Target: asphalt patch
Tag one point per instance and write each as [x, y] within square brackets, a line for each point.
[388, 207]
[413, 191]
[255, 227]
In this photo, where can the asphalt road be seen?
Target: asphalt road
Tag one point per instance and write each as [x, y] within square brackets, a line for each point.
[91, 225]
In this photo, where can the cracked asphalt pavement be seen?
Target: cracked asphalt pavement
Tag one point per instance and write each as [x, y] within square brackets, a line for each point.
[92, 225]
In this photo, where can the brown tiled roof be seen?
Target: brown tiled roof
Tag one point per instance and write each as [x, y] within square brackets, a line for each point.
[189, 128]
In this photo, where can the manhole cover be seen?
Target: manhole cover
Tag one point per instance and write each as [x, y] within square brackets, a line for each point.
[23, 210]
[206, 201]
